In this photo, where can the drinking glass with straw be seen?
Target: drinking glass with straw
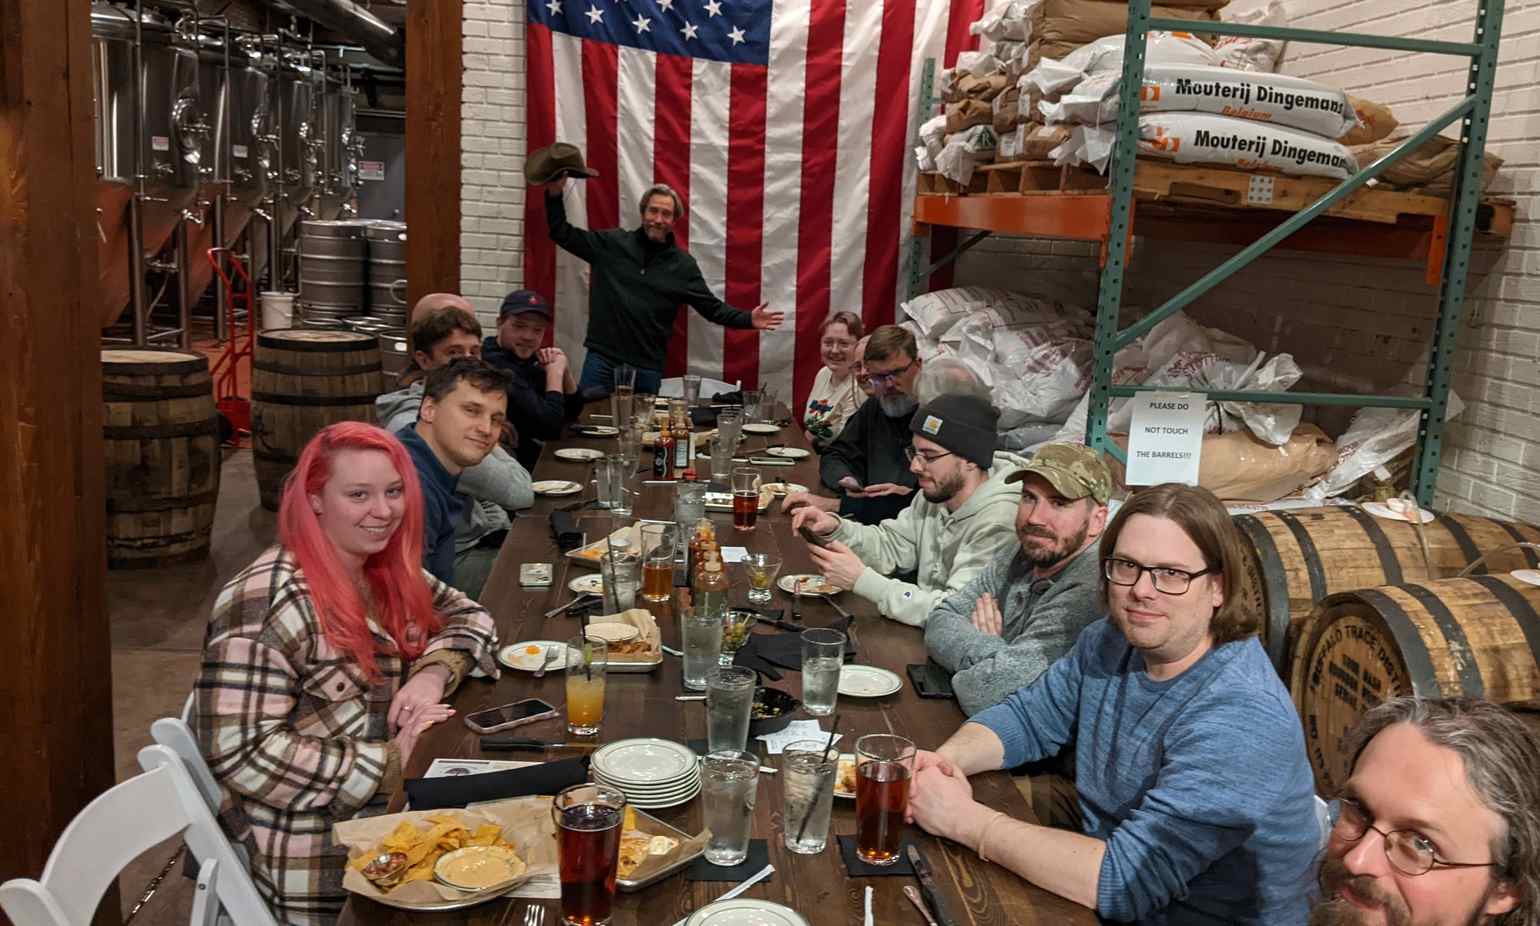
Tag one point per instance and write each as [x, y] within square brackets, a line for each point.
[587, 661]
[809, 770]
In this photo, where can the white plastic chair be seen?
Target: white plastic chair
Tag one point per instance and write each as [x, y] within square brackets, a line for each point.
[112, 830]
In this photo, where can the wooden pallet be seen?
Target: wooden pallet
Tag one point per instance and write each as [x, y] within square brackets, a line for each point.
[933, 184]
[1020, 177]
[1155, 181]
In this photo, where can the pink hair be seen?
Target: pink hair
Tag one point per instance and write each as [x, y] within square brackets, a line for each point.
[403, 601]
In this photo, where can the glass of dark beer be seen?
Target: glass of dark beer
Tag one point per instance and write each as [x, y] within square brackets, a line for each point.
[745, 498]
[588, 819]
[884, 769]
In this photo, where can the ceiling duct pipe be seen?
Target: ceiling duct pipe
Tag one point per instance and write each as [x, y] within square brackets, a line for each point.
[357, 25]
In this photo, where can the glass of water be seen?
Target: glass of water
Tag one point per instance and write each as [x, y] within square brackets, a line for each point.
[729, 702]
[808, 772]
[702, 634]
[614, 475]
[621, 574]
[729, 429]
[692, 389]
[751, 404]
[823, 654]
[729, 781]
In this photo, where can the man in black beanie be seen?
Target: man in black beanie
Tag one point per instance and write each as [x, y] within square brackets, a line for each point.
[963, 517]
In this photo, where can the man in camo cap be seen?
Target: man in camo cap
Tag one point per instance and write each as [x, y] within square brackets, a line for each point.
[1001, 630]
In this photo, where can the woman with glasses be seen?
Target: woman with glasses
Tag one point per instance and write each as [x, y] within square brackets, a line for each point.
[1194, 800]
[835, 393]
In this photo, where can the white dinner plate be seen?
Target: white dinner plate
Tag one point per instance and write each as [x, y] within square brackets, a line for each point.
[1382, 510]
[782, 488]
[644, 761]
[599, 430]
[651, 794]
[788, 453]
[665, 803]
[760, 427]
[816, 584]
[868, 682]
[592, 584]
[514, 655]
[579, 454]
[1527, 576]
[846, 758]
[745, 911]
[556, 487]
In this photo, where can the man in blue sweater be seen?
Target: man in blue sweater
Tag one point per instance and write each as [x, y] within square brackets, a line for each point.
[463, 407]
[1196, 801]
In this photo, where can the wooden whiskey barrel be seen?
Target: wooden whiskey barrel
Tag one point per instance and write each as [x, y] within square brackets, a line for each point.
[301, 381]
[1297, 557]
[1473, 637]
[161, 448]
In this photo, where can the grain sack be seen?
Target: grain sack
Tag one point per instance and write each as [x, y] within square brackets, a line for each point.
[1054, 75]
[977, 63]
[1202, 138]
[933, 134]
[1373, 438]
[1276, 99]
[966, 150]
[966, 114]
[1009, 21]
[1032, 142]
[1248, 54]
[971, 87]
[1038, 382]
[1239, 468]
[1076, 22]
[1375, 121]
[1430, 166]
[935, 313]
[1007, 109]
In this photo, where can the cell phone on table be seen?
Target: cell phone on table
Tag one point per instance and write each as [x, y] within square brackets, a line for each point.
[930, 680]
[498, 719]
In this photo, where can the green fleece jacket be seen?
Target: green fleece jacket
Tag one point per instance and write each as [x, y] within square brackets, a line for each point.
[944, 549]
[636, 288]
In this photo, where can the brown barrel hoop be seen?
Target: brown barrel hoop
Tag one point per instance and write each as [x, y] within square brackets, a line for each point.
[338, 340]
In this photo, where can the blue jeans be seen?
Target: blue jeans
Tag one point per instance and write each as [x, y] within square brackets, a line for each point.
[599, 376]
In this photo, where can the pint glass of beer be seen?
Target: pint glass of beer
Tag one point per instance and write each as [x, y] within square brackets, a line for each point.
[884, 769]
[588, 820]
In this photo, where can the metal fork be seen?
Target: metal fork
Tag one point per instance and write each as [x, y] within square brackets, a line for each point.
[534, 916]
[550, 657]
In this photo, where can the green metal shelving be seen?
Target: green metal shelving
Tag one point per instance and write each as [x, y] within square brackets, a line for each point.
[1472, 113]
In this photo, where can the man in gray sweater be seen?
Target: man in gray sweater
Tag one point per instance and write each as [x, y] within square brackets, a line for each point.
[1010, 622]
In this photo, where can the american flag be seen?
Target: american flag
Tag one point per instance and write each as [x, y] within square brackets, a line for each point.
[786, 125]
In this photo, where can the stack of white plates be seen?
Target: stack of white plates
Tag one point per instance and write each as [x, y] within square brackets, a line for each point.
[652, 773]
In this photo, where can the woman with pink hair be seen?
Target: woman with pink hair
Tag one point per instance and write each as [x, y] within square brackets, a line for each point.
[325, 660]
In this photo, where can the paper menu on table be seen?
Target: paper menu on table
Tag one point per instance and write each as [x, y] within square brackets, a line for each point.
[796, 730]
[734, 554]
[446, 768]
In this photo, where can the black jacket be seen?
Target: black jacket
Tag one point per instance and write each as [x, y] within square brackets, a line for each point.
[537, 414]
[636, 289]
[442, 506]
[870, 448]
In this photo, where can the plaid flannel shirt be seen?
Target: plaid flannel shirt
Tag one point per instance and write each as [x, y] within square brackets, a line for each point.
[296, 734]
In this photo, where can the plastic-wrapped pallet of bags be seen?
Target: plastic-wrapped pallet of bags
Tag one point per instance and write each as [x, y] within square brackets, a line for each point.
[1203, 138]
[1276, 99]
[1105, 56]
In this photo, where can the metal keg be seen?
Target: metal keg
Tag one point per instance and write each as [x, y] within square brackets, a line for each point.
[395, 352]
[387, 271]
[332, 256]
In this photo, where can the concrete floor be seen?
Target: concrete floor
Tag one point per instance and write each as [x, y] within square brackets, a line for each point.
[158, 621]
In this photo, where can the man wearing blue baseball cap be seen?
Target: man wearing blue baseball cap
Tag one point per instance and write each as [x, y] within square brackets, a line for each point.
[544, 396]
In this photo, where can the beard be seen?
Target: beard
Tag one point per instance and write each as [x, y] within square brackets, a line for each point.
[944, 490]
[1332, 910]
[1057, 552]
[897, 405]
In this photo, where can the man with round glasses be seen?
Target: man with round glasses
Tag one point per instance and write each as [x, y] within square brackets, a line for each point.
[1195, 799]
[1439, 823]
[961, 520]
[1025, 610]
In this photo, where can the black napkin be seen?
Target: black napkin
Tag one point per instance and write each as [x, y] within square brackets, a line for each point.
[759, 857]
[564, 527]
[771, 652]
[859, 869]
[704, 416]
[728, 398]
[457, 791]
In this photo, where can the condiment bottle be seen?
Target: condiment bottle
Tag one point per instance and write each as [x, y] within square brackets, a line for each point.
[712, 596]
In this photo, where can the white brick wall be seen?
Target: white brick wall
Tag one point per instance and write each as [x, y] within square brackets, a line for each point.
[1359, 324]
[492, 154]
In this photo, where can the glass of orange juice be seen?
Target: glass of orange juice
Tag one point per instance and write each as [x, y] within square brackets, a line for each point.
[587, 661]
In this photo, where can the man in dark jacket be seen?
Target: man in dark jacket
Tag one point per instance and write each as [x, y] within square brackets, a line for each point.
[639, 280]
[543, 396]
[866, 463]
[463, 406]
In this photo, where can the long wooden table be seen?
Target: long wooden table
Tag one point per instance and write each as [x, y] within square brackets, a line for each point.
[817, 886]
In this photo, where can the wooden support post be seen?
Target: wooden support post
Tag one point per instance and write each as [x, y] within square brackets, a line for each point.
[56, 688]
[434, 74]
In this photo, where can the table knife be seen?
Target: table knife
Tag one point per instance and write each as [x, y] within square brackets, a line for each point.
[508, 744]
[928, 886]
[914, 898]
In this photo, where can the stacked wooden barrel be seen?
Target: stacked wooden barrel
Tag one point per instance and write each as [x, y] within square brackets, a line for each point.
[161, 447]
[1296, 558]
[301, 381]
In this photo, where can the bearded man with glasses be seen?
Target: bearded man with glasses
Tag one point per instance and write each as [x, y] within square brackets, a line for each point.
[1195, 799]
[1439, 823]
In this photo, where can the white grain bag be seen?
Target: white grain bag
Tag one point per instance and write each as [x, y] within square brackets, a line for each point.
[1250, 54]
[1276, 99]
[1039, 382]
[935, 313]
[1025, 313]
[1203, 138]
[1105, 56]
[1009, 21]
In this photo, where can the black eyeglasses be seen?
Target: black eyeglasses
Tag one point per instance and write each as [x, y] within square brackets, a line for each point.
[889, 378]
[927, 458]
[1408, 850]
[1166, 579]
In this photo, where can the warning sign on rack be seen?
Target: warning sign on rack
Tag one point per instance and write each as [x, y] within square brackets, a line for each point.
[1165, 438]
[371, 170]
